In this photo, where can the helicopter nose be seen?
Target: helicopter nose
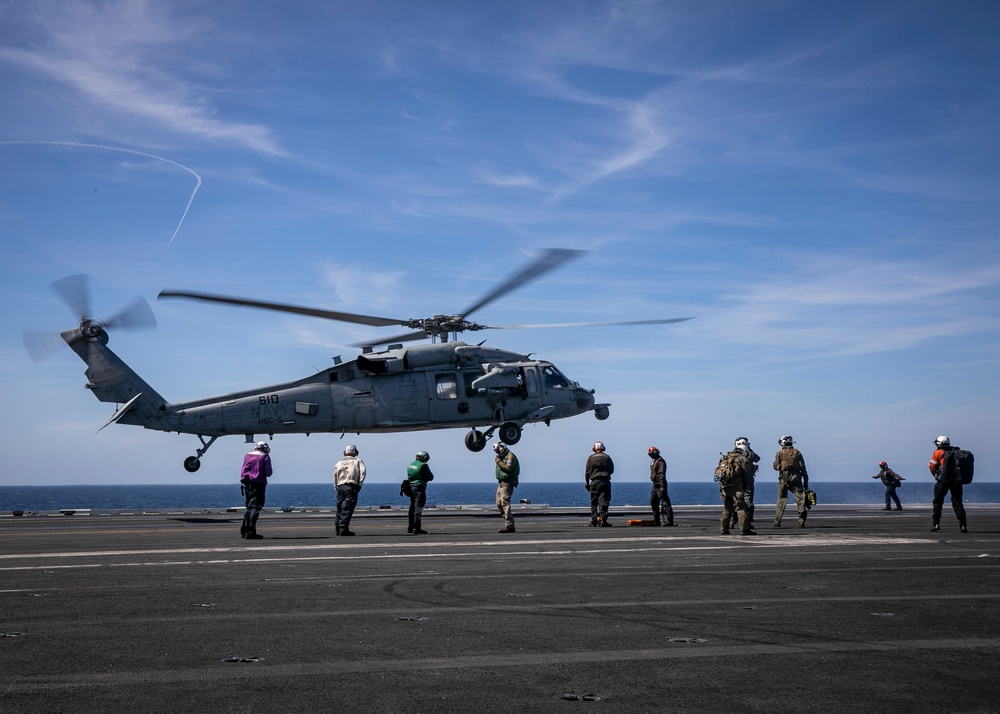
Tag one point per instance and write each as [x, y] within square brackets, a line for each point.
[584, 399]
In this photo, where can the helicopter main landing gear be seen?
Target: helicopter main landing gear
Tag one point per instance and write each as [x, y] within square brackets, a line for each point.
[475, 440]
[510, 432]
[193, 463]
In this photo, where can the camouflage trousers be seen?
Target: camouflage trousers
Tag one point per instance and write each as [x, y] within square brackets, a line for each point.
[793, 484]
[504, 493]
[733, 502]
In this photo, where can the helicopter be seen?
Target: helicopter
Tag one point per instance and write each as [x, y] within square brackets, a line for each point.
[443, 384]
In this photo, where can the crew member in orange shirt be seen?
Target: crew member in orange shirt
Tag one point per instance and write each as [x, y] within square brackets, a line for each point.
[945, 480]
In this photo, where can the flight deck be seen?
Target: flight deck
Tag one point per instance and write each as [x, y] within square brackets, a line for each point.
[861, 610]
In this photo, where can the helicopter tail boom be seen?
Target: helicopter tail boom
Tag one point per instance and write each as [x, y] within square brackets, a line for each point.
[111, 380]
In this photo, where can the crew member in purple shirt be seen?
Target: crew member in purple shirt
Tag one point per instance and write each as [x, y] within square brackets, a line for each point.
[253, 483]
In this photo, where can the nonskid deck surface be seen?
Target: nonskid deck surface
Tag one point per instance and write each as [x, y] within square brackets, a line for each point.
[861, 609]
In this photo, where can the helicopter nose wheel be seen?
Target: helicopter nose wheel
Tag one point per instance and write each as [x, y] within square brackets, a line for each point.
[192, 464]
[475, 440]
[510, 433]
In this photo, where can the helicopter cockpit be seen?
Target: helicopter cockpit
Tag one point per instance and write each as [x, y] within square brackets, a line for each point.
[553, 378]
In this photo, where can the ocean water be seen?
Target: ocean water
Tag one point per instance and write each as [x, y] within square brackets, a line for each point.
[311, 495]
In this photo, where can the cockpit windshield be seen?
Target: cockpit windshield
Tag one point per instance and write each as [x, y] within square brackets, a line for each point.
[553, 378]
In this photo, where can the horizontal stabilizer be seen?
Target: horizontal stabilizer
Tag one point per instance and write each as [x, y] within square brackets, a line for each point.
[121, 412]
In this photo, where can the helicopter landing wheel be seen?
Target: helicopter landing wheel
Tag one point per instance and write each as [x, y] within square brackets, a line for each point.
[192, 464]
[510, 433]
[475, 441]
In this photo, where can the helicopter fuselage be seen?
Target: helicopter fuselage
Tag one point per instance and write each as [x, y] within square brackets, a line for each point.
[430, 386]
[435, 386]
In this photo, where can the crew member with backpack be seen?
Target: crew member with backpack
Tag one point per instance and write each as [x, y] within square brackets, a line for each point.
[732, 474]
[753, 458]
[792, 475]
[951, 468]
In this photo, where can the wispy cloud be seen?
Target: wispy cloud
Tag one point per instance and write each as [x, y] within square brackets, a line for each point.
[355, 286]
[129, 56]
[488, 174]
[835, 307]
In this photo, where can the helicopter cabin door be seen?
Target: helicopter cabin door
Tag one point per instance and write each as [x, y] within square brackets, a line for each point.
[406, 401]
[364, 410]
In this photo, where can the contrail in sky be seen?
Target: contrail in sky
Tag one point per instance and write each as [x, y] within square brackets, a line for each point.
[124, 151]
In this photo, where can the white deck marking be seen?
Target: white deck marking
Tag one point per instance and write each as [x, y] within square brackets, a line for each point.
[428, 549]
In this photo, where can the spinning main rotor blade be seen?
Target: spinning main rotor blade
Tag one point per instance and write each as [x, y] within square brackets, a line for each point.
[667, 321]
[279, 307]
[407, 337]
[442, 325]
[550, 259]
[410, 336]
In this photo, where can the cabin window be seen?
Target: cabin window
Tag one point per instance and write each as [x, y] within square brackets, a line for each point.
[446, 386]
[531, 381]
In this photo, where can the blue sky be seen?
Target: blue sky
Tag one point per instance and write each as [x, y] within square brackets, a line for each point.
[816, 184]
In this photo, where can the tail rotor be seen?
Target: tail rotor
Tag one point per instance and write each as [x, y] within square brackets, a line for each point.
[74, 290]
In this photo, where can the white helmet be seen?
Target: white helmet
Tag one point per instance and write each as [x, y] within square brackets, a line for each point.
[785, 440]
[942, 441]
[351, 450]
[499, 448]
[262, 446]
[598, 446]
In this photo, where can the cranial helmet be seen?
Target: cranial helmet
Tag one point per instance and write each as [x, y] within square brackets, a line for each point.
[742, 440]
[653, 452]
[785, 440]
[262, 446]
[882, 464]
[942, 441]
[499, 448]
[423, 456]
[598, 446]
[351, 450]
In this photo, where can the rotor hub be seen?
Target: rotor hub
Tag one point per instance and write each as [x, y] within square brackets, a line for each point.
[91, 328]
